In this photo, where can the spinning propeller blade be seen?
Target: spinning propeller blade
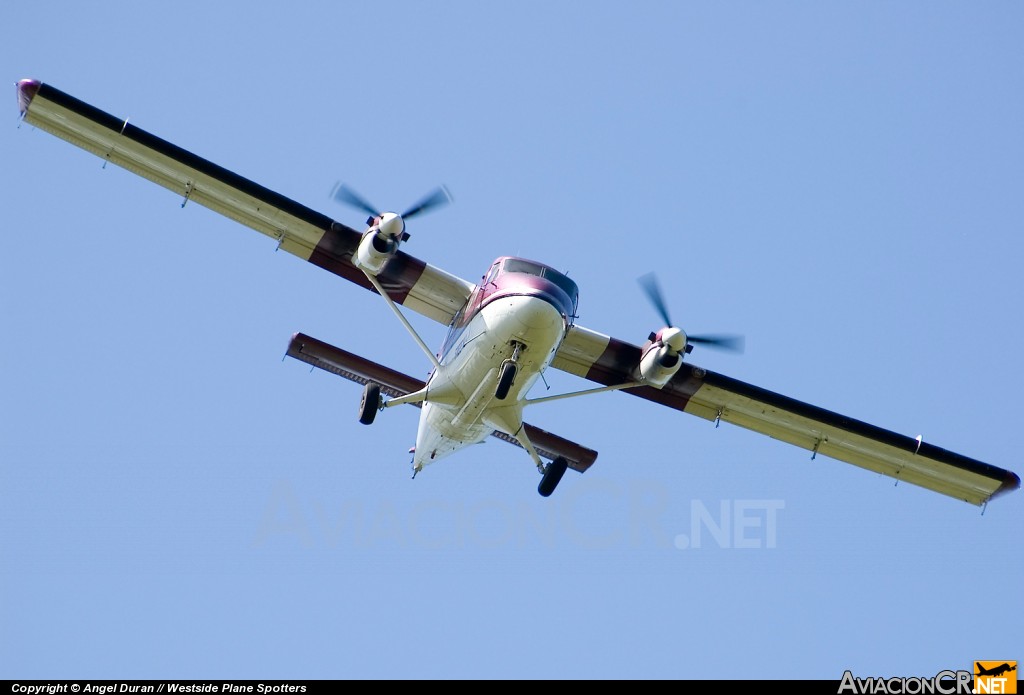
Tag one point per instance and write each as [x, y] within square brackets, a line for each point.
[436, 199]
[650, 284]
[345, 195]
[733, 343]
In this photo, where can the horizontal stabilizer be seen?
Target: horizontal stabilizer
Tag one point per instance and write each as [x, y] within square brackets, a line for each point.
[394, 384]
[351, 366]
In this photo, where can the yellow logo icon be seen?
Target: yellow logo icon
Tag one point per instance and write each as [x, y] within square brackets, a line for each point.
[995, 677]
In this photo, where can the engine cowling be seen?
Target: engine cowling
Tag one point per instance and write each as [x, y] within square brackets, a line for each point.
[380, 242]
[663, 357]
[374, 251]
[659, 364]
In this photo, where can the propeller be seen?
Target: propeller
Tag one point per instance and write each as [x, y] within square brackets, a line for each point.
[438, 198]
[435, 199]
[649, 283]
[346, 196]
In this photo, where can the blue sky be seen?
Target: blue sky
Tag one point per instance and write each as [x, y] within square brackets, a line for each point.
[841, 182]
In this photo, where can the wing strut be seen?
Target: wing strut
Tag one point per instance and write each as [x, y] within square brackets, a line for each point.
[585, 392]
[401, 317]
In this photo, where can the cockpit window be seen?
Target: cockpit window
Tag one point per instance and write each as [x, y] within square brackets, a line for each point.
[491, 274]
[565, 283]
[518, 265]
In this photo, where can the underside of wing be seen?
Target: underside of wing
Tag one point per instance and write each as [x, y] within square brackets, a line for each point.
[712, 396]
[395, 384]
[299, 230]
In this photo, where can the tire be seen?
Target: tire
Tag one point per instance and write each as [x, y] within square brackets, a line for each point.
[505, 379]
[553, 473]
[370, 404]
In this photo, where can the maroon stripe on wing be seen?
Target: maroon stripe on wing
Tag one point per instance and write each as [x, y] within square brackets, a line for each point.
[400, 275]
[334, 254]
[618, 364]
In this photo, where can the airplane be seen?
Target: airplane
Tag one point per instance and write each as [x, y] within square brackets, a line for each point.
[996, 671]
[504, 331]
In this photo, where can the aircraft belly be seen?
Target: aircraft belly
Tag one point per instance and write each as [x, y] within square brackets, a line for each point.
[533, 323]
[487, 341]
[461, 408]
[439, 436]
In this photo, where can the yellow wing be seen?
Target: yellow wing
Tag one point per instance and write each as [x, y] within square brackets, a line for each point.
[712, 396]
[299, 230]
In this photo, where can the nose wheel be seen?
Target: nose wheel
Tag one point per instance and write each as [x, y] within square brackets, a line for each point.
[507, 374]
[505, 379]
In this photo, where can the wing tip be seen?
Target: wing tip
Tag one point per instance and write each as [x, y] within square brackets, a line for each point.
[1011, 482]
[26, 92]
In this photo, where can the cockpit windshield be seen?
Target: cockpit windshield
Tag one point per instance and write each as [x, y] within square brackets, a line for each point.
[518, 265]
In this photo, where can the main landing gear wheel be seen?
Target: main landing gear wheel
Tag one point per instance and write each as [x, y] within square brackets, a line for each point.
[505, 379]
[370, 404]
[552, 474]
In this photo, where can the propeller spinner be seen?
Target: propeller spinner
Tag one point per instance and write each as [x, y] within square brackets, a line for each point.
[674, 337]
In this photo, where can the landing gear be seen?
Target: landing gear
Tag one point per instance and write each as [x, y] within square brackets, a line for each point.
[507, 375]
[370, 404]
[553, 472]
[505, 379]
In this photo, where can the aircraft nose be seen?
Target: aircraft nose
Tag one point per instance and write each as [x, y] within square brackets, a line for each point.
[536, 313]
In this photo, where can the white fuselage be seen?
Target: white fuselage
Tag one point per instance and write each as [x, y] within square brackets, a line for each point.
[461, 407]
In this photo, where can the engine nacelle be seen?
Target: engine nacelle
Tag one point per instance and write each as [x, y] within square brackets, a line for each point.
[380, 242]
[659, 364]
[374, 251]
